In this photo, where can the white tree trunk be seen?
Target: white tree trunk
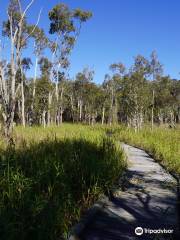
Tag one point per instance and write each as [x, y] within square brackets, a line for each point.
[49, 109]
[22, 105]
[44, 118]
[80, 110]
[152, 112]
[103, 113]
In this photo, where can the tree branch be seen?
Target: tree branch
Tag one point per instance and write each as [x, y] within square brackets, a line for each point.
[26, 9]
[34, 28]
[22, 15]
[17, 89]
[20, 8]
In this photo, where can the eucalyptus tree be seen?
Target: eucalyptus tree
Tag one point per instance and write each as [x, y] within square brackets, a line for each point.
[82, 80]
[114, 85]
[104, 101]
[108, 99]
[65, 24]
[41, 42]
[89, 99]
[24, 66]
[139, 96]
[60, 100]
[175, 92]
[43, 87]
[167, 100]
[4, 88]
[18, 32]
[133, 92]
[173, 111]
[71, 100]
[156, 70]
[118, 68]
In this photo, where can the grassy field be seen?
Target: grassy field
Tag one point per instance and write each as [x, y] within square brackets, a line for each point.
[49, 177]
[163, 143]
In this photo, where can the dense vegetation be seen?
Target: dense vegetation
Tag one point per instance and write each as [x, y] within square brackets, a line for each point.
[51, 176]
[132, 96]
[46, 183]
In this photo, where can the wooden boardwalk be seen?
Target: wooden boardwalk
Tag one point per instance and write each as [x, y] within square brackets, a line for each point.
[149, 201]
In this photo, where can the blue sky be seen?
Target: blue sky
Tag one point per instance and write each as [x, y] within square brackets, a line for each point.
[118, 31]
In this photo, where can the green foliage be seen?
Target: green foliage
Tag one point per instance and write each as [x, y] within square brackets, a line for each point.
[41, 40]
[45, 66]
[43, 86]
[14, 12]
[63, 19]
[45, 185]
[118, 67]
[82, 15]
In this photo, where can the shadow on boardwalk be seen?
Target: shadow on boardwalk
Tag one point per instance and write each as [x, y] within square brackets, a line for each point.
[148, 200]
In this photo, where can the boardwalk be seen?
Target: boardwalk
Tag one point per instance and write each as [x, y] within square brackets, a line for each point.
[148, 200]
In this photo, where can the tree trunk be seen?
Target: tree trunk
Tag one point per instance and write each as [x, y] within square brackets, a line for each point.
[57, 117]
[152, 112]
[160, 116]
[9, 119]
[80, 110]
[114, 113]
[92, 120]
[44, 118]
[12, 99]
[72, 108]
[61, 115]
[49, 110]
[103, 113]
[61, 106]
[135, 122]
[89, 119]
[140, 119]
[35, 77]
[22, 105]
[34, 90]
[172, 119]
[57, 100]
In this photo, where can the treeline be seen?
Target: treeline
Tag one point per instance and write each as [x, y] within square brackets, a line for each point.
[135, 97]
[132, 96]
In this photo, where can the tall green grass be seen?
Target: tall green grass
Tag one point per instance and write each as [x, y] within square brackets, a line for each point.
[162, 143]
[49, 177]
